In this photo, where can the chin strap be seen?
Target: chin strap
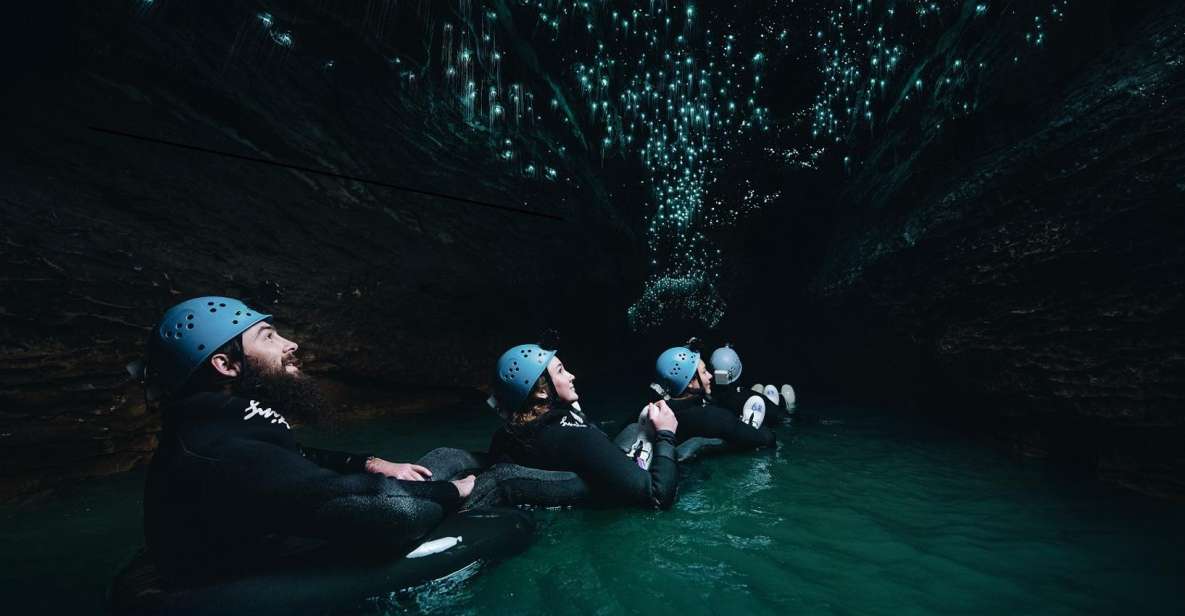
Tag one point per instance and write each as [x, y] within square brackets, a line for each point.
[703, 391]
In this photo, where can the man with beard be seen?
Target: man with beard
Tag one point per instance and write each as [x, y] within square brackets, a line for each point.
[229, 490]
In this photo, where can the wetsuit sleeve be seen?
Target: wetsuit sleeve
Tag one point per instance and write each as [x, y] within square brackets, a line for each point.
[270, 484]
[443, 492]
[612, 476]
[664, 470]
[339, 461]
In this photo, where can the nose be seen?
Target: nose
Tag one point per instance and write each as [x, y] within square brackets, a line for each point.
[290, 346]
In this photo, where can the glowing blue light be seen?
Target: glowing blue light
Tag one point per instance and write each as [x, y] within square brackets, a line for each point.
[283, 39]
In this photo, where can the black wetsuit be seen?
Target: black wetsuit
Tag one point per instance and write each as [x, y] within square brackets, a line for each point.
[563, 440]
[698, 417]
[229, 492]
[733, 397]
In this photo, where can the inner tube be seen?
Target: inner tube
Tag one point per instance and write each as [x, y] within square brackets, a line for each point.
[505, 484]
[511, 485]
[753, 411]
[449, 463]
[772, 393]
[788, 398]
[637, 440]
[697, 445]
[461, 544]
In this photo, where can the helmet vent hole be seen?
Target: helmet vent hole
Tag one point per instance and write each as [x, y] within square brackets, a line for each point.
[238, 312]
[222, 305]
[201, 347]
[190, 326]
[213, 310]
[189, 317]
[209, 303]
[236, 321]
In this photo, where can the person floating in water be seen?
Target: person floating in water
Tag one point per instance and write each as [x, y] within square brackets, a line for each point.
[229, 490]
[754, 404]
[683, 380]
[545, 428]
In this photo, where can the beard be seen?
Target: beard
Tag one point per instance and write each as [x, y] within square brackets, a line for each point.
[293, 394]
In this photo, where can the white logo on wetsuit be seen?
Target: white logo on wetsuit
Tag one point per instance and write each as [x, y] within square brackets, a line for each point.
[254, 410]
[640, 452]
[579, 421]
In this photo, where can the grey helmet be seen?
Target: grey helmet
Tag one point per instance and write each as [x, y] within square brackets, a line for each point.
[725, 360]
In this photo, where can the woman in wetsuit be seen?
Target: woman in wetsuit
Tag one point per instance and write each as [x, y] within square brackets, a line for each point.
[545, 429]
[684, 380]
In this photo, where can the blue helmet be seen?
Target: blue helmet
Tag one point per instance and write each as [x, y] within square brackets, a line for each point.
[675, 368]
[188, 335]
[725, 359]
[518, 369]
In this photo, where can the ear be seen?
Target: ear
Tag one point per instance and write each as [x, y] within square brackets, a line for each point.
[224, 365]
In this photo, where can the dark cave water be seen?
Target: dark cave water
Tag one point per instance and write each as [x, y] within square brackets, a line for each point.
[857, 513]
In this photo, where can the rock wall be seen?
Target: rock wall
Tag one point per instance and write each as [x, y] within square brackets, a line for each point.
[1019, 271]
[383, 288]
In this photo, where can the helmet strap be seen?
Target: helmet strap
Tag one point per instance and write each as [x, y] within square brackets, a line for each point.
[703, 391]
[554, 397]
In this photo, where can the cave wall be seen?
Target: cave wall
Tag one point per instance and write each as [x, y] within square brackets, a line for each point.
[1015, 270]
[409, 293]
[1018, 271]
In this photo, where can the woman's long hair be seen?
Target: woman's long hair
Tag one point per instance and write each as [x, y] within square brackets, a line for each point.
[534, 407]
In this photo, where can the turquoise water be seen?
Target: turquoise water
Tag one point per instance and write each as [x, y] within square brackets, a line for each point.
[859, 513]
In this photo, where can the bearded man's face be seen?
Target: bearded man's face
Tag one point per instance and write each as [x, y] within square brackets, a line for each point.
[272, 374]
[269, 352]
